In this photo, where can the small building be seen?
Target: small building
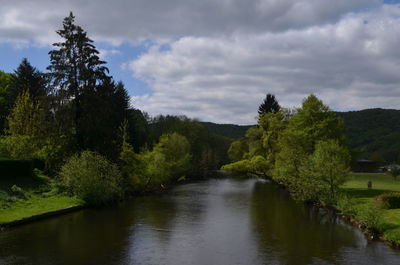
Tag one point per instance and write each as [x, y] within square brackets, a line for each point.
[367, 166]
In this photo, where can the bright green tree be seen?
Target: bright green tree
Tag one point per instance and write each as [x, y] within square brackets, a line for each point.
[329, 165]
[313, 122]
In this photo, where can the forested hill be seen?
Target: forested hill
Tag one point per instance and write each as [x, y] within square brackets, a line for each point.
[376, 132]
[228, 130]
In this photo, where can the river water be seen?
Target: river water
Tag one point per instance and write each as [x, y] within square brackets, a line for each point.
[218, 221]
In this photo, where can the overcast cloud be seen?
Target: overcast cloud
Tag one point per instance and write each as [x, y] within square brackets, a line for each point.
[216, 59]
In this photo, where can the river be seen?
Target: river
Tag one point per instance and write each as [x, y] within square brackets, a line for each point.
[217, 221]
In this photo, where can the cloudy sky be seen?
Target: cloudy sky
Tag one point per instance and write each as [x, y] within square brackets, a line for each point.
[216, 59]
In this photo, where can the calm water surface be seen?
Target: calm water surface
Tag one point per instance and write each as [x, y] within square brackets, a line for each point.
[218, 222]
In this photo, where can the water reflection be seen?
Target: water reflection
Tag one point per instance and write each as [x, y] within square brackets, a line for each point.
[221, 221]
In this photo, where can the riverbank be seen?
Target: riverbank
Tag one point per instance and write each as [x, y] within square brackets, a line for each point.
[35, 208]
[360, 208]
[29, 198]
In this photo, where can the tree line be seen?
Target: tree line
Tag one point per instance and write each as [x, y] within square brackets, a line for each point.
[79, 122]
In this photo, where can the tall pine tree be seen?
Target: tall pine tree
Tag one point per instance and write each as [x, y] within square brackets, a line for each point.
[96, 106]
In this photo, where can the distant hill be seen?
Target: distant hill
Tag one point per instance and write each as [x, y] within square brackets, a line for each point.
[228, 130]
[375, 132]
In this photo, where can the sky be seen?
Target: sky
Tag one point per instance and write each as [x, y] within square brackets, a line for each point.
[215, 60]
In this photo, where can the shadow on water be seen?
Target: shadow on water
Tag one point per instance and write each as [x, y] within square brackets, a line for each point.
[294, 233]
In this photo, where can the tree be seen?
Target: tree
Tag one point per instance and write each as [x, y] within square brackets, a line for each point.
[313, 122]
[329, 165]
[75, 69]
[90, 106]
[5, 82]
[27, 78]
[269, 105]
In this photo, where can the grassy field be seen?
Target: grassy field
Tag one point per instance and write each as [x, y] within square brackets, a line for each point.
[362, 197]
[35, 197]
[36, 205]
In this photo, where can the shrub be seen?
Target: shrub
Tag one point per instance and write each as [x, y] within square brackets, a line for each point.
[371, 215]
[391, 200]
[346, 205]
[92, 178]
[19, 192]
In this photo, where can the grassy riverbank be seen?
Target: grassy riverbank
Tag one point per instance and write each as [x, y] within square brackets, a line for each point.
[36, 205]
[387, 220]
[24, 197]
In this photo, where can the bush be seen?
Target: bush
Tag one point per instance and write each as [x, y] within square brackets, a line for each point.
[391, 200]
[346, 205]
[371, 215]
[19, 192]
[92, 178]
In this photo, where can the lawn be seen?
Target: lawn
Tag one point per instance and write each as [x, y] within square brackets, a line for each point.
[357, 189]
[37, 198]
[36, 205]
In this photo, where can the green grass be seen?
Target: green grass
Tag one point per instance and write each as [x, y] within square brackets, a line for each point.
[40, 198]
[362, 197]
[36, 205]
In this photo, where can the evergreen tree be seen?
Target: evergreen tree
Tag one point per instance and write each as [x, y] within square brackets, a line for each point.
[90, 105]
[76, 69]
[30, 79]
[269, 105]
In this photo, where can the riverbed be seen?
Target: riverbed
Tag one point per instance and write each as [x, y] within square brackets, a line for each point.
[217, 221]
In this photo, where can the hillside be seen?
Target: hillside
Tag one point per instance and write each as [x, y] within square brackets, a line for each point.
[375, 132]
[228, 130]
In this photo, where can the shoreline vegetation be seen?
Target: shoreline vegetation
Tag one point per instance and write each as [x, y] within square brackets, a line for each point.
[305, 150]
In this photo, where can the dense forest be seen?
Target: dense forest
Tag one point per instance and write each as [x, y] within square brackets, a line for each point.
[76, 125]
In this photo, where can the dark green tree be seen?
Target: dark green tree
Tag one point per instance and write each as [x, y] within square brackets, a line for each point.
[90, 105]
[30, 79]
[5, 82]
[76, 69]
[269, 105]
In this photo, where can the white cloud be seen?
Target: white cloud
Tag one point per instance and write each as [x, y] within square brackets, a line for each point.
[351, 64]
[133, 20]
[225, 55]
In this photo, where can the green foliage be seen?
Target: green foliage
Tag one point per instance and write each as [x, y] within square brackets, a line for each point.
[27, 79]
[257, 165]
[329, 165]
[169, 160]
[237, 150]
[296, 160]
[27, 117]
[391, 200]
[374, 131]
[208, 151]
[346, 205]
[370, 215]
[19, 192]
[228, 130]
[5, 82]
[92, 178]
